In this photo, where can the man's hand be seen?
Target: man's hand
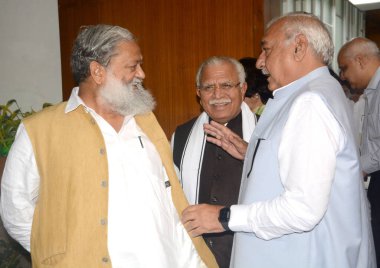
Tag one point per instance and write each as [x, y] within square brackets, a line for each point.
[227, 139]
[201, 219]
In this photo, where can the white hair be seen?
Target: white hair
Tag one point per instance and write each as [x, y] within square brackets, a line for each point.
[312, 28]
[96, 43]
[217, 60]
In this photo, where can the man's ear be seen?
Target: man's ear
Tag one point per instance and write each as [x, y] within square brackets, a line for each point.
[97, 72]
[199, 96]
[198, 92]
[361, 60]
[301, 44]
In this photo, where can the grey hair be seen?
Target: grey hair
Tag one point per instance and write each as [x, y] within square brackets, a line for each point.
[96, 43]
[216, 60]
[312, 28]
[360, 45]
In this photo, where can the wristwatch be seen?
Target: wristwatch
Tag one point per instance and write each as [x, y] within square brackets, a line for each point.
[224, 217]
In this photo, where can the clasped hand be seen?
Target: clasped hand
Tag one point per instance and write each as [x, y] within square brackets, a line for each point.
[202, 219]
[226, 138]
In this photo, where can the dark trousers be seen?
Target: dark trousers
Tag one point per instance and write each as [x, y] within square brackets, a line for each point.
[374, 199]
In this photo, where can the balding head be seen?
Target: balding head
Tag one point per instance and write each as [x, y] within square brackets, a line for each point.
[358, 61]
[359, 45]
[293, 46]
[315, 31]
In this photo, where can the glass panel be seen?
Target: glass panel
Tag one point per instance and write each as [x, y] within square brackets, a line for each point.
[317, 8]
[307, 6]
[338, 8]
[287, 6]
[338, 41]
[327, 11]
[297, 5]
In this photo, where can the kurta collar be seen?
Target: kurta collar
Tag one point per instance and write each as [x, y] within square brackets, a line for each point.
[297, 84]
[74, 101]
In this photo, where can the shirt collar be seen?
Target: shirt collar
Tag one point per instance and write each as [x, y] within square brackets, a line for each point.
[74, 101]
[375, 80]
[300, 82]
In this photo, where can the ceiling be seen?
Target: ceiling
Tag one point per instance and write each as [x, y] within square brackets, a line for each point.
[366, 4]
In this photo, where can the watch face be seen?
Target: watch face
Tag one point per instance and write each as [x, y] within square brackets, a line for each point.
[224, 214]
[224, 217]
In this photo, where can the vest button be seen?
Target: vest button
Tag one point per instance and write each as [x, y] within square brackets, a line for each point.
[214, 199]
[105, 259]
[104, 183]
[93, 121]
[103, 221]
[102, 151]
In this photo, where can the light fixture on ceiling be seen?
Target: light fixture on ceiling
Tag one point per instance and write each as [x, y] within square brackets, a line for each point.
[366, 4]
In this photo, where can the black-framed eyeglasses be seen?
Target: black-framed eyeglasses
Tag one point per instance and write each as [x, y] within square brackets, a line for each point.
[222, 86]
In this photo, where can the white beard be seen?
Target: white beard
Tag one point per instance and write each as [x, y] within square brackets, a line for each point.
[127, 99]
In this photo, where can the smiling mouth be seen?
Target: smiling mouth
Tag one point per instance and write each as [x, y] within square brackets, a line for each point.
[221, 102]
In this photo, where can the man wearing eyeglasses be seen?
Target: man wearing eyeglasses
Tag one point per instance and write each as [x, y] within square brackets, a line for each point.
[302, 201]
[207, 173]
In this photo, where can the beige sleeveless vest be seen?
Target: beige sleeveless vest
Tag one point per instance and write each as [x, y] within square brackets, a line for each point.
[70, 220]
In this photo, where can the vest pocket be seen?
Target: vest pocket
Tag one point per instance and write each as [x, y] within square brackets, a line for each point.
[53, 260]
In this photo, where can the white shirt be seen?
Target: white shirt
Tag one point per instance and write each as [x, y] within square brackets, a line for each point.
[144, 229]
[358, 116]
[311, 131]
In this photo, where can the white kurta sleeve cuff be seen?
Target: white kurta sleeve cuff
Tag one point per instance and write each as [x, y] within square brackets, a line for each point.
[239, 218]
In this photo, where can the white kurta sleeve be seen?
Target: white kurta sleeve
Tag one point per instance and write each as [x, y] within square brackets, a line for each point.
[309, 143]
[19, 189]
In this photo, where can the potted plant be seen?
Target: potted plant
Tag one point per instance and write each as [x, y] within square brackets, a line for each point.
[10, 118]
[9, 121]
[11, 253]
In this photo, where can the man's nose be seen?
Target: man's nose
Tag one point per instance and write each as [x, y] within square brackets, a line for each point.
[260, 63]
[140, 72]
[218, 91]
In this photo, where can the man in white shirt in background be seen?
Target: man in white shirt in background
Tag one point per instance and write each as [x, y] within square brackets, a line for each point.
[359, 63]
[91, 182]
[302, 202]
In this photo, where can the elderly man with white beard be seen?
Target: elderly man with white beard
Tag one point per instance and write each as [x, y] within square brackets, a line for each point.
[208, 174]
[90, 182]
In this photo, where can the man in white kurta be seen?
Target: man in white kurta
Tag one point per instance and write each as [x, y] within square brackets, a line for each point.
[302, 202]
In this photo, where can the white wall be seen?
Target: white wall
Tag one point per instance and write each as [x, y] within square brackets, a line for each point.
[30, 65]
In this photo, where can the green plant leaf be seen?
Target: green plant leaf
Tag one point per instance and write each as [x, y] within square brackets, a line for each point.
[10, 118]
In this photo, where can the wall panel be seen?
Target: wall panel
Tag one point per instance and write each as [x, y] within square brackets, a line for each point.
[372, 29]
[175, 37]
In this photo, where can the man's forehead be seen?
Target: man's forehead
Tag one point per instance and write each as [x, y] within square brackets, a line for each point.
[223, 69]
[128, 48]
[273, 32]
[268, 39]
